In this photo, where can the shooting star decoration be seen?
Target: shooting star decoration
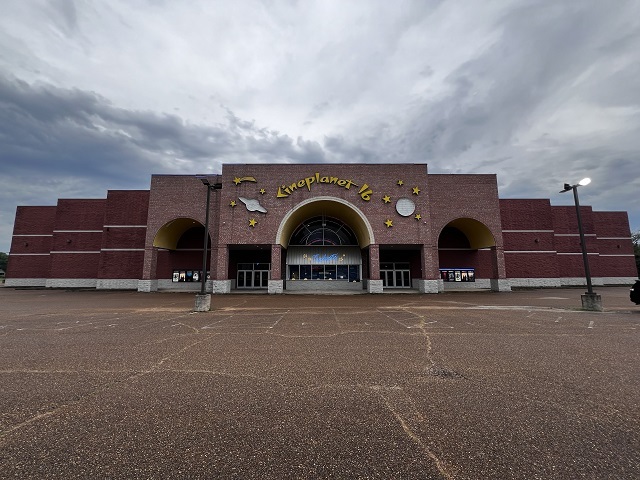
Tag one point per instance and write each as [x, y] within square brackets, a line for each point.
[252, 205]
[239, 180]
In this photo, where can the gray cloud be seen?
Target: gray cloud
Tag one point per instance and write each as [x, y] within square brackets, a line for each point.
[103, 95]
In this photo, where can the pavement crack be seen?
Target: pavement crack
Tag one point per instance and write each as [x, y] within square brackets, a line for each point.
[403, 402]
[169, 357]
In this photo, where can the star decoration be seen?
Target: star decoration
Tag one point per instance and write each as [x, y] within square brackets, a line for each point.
[418, 216]
[389, 223]
[232, 203]
[252, 222]
[416, 190]
[262, 191]
[239, 180]
[386, 199]
[400, 182]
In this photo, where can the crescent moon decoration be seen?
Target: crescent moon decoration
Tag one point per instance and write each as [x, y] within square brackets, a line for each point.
[252, 205]
[405, 207]
[239, 180]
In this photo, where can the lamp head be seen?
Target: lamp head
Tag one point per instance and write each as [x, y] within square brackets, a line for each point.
[584, 181]
[205, 181]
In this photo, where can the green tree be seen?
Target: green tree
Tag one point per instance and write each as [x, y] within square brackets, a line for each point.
[636, 249]
[4, 258]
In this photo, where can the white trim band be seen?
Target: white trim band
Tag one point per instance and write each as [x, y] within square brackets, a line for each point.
[33, 235]
[615, 238]
[125, 226]
[528, 231]
[573, 235]
[77, 231]
[617, 255]
[76, 251]
[25, 254]
[122, 249]
[530, 251]
[576, 253]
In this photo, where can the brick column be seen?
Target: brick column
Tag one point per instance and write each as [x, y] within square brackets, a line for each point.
[276, 261]
[374, 283]
[149, 280]
[430, 281]
[276, 283]
[374, 262]
[219, 262]
[430, 262]
[499, 281]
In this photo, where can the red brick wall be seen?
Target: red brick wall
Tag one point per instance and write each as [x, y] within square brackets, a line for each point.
[31, 221]
[381, 179]
[122, 243]
[527, 226]
[567, 240]
[168, 261]
[78, 228]
[178, 196]
[442, 198]
[614, 244]
[480, 260]
[467, 196]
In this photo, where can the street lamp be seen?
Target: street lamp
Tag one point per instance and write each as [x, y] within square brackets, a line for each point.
[590, 300]
[203, 300]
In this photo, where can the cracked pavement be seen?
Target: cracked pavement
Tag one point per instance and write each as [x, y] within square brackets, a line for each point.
[461, 385]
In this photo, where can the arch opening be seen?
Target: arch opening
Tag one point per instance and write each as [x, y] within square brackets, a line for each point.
[335, 208]
[170, 233]
[324, 240]
[466, 254]
[476, 234]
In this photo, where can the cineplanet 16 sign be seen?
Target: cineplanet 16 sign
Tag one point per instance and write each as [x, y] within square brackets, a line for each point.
[286, 190]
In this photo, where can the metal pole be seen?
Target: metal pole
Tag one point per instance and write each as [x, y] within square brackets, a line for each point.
[206, 243]
[583, 244]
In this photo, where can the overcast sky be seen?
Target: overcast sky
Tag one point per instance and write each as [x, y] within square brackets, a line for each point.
[99, 95]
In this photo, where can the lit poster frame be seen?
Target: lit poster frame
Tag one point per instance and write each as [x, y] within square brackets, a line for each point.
[458, 274]
[180, 276]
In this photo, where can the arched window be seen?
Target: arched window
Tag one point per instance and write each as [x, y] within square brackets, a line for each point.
[319, 231]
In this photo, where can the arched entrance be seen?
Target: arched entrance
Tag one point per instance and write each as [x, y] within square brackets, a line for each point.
[468, 256]
[179, 245]
[326, 244]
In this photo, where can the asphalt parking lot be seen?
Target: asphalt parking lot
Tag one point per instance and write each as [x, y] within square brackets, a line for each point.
[457, 385]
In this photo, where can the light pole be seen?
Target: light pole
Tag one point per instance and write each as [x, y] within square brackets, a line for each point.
[590, 300]
[203, 300]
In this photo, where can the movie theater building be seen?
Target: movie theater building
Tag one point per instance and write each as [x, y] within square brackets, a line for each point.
[322, 227]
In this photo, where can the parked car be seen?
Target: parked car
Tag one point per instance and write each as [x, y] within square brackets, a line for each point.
[634, 294]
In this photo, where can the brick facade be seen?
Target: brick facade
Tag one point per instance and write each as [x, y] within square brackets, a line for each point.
[399, 213]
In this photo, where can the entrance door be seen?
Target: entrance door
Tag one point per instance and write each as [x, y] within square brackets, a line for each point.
[395, 275]
[253, 278]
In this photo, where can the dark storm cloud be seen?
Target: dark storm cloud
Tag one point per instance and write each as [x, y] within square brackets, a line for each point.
[58, 143]
[60, 130]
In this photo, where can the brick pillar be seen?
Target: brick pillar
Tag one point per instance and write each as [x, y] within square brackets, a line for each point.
[149, 280]
[430, 281]
[374, 262]
[220, 262]
[499, 281]
[150, 263]
[430, 262]
[276, 261]
[374, 283]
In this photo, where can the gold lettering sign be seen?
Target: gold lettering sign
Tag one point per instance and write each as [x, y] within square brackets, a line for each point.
[286, 190]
